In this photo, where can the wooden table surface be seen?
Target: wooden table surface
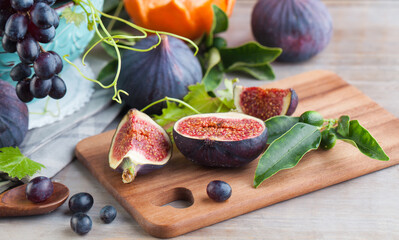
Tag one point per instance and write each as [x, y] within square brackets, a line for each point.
[364, 51]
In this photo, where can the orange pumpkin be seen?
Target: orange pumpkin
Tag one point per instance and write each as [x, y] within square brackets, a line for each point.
[188, 18]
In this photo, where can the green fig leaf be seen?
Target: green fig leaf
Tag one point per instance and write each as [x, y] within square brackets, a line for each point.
[220, 24]
[220, 20]
[261, 72]
[227, 95]
[213, 75]
[250, 58]
[286, 151]
[361, 138]
[108, 72]
[110, 50]
[278, 125]
[199, 99]
[343, 125]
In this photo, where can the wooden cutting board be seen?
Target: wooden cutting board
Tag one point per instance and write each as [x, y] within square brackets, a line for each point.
[322, 91]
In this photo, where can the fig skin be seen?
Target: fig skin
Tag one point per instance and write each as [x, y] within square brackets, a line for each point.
[167, 70]
[134, 163]
[293, 104]
[302, 28]
[220, 153]
[14, 117]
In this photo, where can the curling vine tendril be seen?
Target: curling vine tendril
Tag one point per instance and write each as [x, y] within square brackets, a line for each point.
[94, 18]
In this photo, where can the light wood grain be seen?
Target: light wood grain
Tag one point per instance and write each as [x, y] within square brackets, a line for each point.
[182, 180]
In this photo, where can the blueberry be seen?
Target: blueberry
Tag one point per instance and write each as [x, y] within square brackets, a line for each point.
[108, 214]
[81, 202]
[218, 190]
[81, 223]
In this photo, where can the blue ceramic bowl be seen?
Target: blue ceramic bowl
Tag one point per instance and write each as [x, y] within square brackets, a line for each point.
[69, 39]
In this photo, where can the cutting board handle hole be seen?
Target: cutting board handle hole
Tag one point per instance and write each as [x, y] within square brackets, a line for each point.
[177, 197]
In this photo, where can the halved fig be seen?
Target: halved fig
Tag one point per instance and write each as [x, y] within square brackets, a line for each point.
[139, 146]
[220, 139]
[265, 103]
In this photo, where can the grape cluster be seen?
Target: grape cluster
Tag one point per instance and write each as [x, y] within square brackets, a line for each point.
[23, 25]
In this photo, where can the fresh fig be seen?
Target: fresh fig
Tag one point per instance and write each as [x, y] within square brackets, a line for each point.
[220, 139]
[265, 103]
[302, 28]
[166, 70]
[139, 146]
[14, 117]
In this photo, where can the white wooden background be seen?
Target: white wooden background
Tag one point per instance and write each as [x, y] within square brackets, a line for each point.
[365, 52]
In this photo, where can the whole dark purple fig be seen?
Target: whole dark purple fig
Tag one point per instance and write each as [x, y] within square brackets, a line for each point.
[302, 28]
[220, 139]
[14, 117]
[166, 70]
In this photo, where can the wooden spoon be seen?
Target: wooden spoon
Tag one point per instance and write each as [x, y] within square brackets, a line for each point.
[15, 203]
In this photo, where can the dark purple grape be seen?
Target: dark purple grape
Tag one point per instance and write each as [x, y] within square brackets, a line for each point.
[21, 5]
[56, 19]
[23, 91]
[80, 202]
[49, 2]
[28, 49]
[81, 223]
[43, 35]
[45, 65]
[58, 88]
[8, 44]
[16, 26]
[40, 88]
[4, 15]
[218, 190]
[4, 4]
[58, 61]
[42, 15]
[20, 71]
[108, 214]
[39, 189]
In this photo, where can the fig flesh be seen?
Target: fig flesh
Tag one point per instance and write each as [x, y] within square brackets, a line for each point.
[139, 146]
[265, 103]
[301, 28]
[220, 139]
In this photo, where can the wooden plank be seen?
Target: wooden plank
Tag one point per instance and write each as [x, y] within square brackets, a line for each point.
[180, 179]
